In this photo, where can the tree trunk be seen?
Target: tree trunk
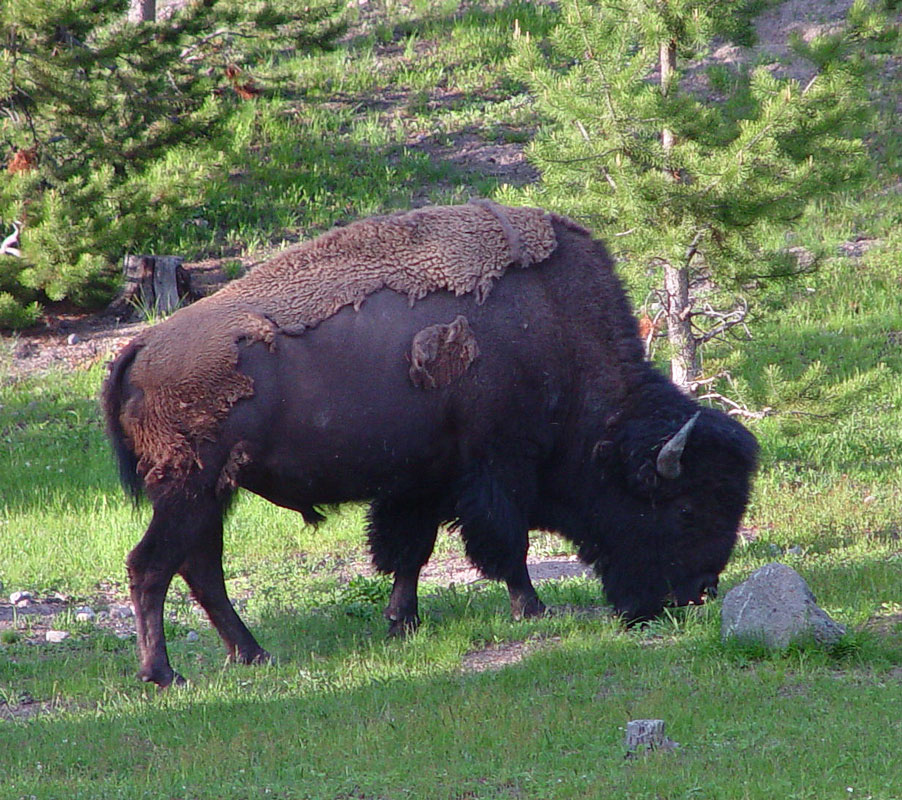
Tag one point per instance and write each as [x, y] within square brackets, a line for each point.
[668, 57]
[644, 732]
[684, 366]
[684, 362]
[142, 10]
[154, 285]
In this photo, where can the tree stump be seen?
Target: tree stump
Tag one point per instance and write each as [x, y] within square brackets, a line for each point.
[647, 734]
[153, 285]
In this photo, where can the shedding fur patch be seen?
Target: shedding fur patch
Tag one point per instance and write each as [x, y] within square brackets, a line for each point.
[441, 353]
[228, 476]
[185, 371]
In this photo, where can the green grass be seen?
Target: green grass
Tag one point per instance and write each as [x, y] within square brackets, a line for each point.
[346, 713]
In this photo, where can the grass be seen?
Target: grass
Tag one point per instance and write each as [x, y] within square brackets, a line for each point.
[346, 713]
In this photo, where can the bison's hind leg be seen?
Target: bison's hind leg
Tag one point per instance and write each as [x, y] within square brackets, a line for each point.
[496, 533]
[202, 571]
[176, 524]
[401, 530]
[185, 536]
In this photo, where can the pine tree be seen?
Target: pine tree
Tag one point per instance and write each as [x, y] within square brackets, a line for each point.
[687, 173]
[90, 101]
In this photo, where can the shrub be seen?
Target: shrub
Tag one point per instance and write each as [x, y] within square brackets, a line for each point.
[90, 103]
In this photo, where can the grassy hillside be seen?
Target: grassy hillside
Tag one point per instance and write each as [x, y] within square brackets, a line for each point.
[414, 107]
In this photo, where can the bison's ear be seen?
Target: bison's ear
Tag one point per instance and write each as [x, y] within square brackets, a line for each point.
[668, 464]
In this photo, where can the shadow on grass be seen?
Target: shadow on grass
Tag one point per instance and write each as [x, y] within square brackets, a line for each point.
[363, 720]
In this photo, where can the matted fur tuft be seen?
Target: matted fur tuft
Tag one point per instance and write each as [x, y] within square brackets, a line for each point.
[184, 370]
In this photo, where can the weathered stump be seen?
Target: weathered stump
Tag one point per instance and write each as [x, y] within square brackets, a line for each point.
[646, 735]
[153, 285]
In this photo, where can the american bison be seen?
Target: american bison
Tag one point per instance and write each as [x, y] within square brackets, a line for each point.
[486, 372]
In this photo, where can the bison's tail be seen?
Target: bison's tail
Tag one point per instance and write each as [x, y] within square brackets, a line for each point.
[111, 401]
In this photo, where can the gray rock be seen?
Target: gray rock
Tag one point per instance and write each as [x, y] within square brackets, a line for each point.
[73, 338]
[192, 636]
[21, 598]
[117, 611]
[84, 614]
[776, 607]
[56, 637]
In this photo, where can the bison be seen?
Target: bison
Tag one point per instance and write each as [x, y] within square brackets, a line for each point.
[519, 404]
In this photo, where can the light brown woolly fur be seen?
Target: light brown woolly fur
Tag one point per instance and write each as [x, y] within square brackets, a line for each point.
[185, 368]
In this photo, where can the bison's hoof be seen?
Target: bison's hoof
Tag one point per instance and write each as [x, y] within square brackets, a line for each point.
[162, 678]
[532, 607]
[258, 656]
[400, 628]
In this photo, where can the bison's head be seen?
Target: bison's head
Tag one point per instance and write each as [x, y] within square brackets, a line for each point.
[673, 494]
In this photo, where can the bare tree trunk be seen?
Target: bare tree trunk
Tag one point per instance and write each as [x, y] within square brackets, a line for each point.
[142, 10]
[668, 56]
[684, 362]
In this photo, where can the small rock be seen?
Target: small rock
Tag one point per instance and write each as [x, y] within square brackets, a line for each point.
[73, 338]
[795, 550]
[858, 247]
[803, 257]
[84, 614]
[118, 611]
[192, 636]
[56, 636]
[776, 607]
[21, 599]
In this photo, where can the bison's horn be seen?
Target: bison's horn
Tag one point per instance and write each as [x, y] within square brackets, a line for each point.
[668, 464]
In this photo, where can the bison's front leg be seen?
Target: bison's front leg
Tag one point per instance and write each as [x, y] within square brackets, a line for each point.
[496, 534]
[401, 532]
[524, 600]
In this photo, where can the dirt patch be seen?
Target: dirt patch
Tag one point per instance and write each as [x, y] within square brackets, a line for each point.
[459, 571]
[887, 625]
[497, 656]
[774, 29]
[472, 154]
[32, 619]
[26, 707]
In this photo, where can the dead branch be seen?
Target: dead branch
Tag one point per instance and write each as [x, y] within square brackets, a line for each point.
[9, 246]
[186, 54]
[725, 320]
[735, 409]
